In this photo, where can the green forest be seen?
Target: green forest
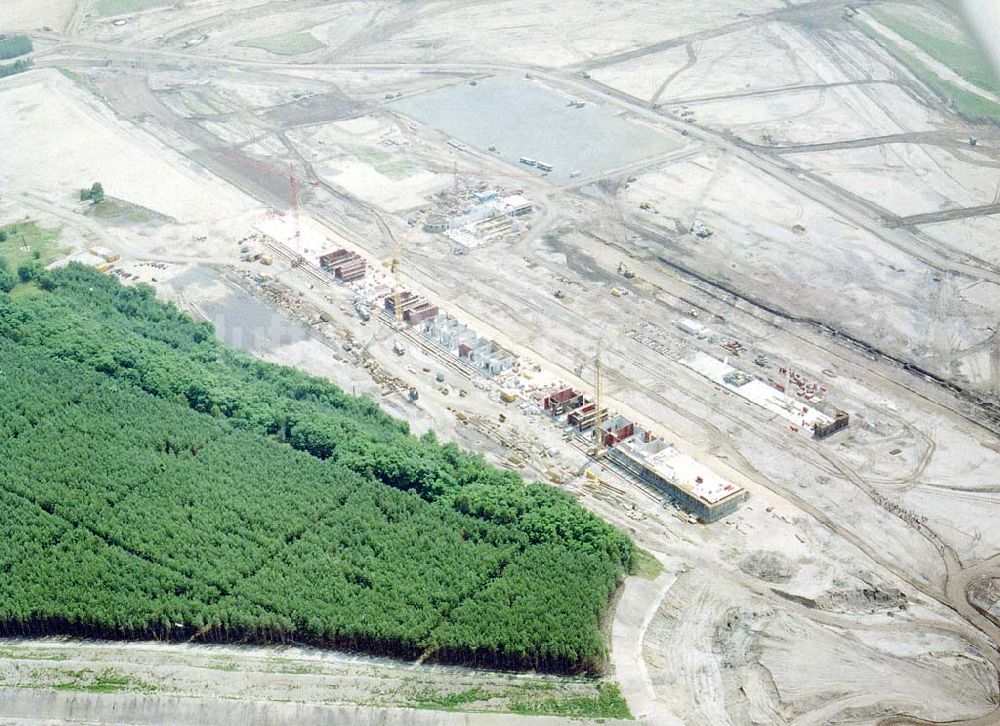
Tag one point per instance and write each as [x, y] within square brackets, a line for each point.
[156, 484]
[12, 46]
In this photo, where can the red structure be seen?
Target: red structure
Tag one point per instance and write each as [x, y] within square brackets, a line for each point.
[415, 308]
[421, 312]
[583, 416]
[616, 430]
[346, 266]
[562, 401]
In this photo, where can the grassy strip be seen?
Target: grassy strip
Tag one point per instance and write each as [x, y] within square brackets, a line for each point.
[77, 79]
[530, 701]
[607, 704]
[968, 105]
[86, 680]
[119, 7]
[964, 58]
[285, 43]
[567, 697]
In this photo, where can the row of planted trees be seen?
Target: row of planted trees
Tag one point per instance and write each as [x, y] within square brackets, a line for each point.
[295, 512]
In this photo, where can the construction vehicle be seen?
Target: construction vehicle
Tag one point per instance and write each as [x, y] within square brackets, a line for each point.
[414, 394]
[398, 348]
[701, 231]
[625, 271]
[104, 252]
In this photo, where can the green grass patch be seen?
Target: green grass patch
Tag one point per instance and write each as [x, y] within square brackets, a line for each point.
[29, 242]
[107, 681]
[429, 698]
[119, 7]
[965, 58]
[608, 703]
[25, 289]
[110, 681]
[285, 43]
[115, 211]
[647, 566]
[392, 166]
[223, 664]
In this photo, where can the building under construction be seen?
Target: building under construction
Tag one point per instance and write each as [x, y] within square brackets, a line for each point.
[616, 430]
[560, 401]
[459, 340]
[841, 420]
[415, 308]
[344, 265]
[691, 486]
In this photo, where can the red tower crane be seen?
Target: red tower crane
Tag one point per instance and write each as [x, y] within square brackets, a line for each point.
[291, 173]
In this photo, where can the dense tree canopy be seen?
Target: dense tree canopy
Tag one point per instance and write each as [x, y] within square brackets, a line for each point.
[154, 483]
[19, 66]
[7, 280]
[12, 46]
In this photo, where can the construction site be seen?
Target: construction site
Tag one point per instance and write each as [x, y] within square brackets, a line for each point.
[726, 275]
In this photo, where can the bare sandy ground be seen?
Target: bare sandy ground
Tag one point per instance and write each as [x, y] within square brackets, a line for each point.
[56, 141]
[35, 14]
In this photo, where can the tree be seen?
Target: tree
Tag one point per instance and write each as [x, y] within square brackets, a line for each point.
[7, 279]
[15, 45]
[95, 194]
[29, 271]
[18, 66]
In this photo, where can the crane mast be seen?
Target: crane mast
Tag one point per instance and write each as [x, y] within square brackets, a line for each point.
[393, 263]
[599, 407]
